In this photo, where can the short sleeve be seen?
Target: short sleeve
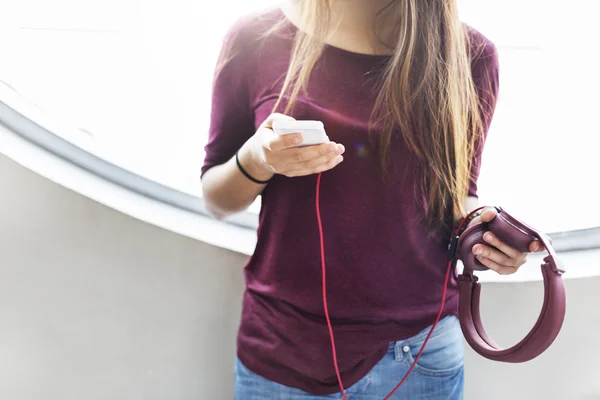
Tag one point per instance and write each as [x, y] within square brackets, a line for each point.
[485, 70]
[231, 117]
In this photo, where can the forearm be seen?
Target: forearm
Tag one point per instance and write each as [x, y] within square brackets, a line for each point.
[227, 191]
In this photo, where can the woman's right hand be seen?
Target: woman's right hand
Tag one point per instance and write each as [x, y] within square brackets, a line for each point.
[272, 154]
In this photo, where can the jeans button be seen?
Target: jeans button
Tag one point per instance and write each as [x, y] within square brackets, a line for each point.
[406, 349]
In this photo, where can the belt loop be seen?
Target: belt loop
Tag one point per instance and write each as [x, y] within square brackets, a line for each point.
[398, 354]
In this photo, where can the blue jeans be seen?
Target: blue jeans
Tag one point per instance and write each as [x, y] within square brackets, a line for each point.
[439, 374]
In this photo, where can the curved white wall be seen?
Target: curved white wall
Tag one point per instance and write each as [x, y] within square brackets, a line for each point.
[97, 305]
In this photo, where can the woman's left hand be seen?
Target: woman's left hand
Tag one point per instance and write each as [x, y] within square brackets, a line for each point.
[499, 256]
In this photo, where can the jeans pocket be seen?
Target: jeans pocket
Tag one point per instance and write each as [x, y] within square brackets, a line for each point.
[444, 353]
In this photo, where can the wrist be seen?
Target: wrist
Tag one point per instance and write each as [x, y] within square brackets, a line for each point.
[249, 158]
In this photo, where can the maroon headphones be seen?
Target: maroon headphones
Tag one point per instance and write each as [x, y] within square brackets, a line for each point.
[518, 235]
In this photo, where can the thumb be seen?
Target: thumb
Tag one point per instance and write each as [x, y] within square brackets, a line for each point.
[488, 214]
[276, 117]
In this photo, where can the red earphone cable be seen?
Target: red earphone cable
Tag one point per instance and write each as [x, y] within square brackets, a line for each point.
[324, 285]
[326, 308]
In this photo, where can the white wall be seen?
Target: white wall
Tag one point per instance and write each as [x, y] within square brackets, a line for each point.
[97, 305]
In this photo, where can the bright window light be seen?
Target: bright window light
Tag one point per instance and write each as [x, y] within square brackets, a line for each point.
[135, 78]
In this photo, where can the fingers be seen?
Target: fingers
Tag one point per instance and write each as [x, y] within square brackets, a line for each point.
[535, 246]
[276, 143]
[513, 253]
[312, 164]
[311, 153]
[499, 257]
[494, 266]
[319, 168]
[298, 161]
[313, 159]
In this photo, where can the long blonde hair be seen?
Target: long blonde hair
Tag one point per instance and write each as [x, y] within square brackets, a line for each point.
[426, 93]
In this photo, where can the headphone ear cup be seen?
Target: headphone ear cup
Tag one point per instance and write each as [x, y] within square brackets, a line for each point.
[509, 234]
[469, 238]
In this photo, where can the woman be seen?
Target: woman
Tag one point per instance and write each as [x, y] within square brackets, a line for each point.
[406, 94]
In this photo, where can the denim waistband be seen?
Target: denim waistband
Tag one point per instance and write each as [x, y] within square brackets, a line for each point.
[448, 322]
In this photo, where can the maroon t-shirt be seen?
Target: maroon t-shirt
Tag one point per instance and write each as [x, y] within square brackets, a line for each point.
[384, 275]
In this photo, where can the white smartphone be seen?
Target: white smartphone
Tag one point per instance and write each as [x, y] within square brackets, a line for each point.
[313, 132]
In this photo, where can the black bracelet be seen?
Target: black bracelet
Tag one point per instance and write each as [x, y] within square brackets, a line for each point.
[246, 174]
